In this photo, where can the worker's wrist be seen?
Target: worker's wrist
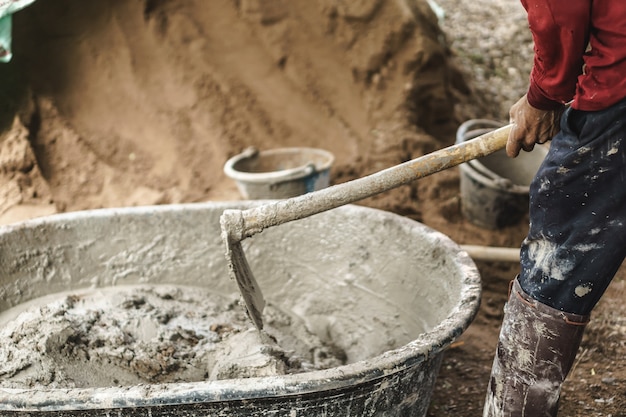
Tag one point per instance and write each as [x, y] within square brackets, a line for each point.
[536, 99]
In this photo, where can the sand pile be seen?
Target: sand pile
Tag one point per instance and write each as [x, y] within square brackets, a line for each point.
[132, 103]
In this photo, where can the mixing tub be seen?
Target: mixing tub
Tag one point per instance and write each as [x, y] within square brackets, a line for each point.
[389, 291]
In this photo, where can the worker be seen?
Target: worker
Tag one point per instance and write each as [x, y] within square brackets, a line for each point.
[577, 235]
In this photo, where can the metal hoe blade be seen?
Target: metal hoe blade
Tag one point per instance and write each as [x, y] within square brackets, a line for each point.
[240, 271]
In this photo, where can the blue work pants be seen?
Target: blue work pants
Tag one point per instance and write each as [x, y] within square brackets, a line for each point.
[577, 236]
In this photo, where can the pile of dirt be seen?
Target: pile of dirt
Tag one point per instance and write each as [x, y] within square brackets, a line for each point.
[134, 103]
[118, 103]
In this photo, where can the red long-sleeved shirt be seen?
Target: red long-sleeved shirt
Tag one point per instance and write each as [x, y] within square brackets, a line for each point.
[580, 53]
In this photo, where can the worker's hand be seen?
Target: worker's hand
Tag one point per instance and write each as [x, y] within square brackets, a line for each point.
[530, 126]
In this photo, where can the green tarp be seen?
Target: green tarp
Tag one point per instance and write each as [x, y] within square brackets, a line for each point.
[7, 8]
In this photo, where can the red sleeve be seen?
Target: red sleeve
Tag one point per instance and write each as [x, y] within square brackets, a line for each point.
[560, 32]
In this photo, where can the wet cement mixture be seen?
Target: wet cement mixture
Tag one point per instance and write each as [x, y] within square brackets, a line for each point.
[117, 103]
[120, 336]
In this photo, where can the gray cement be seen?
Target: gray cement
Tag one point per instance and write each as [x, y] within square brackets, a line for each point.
[127, 335]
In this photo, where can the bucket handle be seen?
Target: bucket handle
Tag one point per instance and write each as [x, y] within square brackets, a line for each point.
[296, 173]
[271, 178]
[464, 133]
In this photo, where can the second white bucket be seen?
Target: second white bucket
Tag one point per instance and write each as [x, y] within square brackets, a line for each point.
[495, 188]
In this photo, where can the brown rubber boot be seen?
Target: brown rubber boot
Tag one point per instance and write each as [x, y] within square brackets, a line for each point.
[536, 350]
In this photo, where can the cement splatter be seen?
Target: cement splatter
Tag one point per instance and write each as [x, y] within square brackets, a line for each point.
[542, 253]
[583, 290]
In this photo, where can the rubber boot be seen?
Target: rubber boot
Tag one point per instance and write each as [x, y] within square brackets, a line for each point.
[536, 350]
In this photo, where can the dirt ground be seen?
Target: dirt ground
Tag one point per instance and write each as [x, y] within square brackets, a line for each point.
[119, 103]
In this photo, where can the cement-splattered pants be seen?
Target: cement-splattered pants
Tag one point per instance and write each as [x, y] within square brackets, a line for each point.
[577, 236]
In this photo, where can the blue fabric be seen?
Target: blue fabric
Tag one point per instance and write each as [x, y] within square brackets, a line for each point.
[577, 236]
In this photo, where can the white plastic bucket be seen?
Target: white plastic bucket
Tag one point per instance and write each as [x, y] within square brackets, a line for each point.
[279, 173]
[495, 188]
